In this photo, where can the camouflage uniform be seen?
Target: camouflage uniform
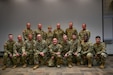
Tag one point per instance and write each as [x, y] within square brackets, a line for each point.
[100, 53]
[40, 46]
[76, 48]
[82, 33]
[19, 48]
[26, 32]
[49, 38]
[86, 51]
[58, 33]
[29, 50]
[43, 34]
[66, 50]
[69, 33]
[8, 50]
[57, 57]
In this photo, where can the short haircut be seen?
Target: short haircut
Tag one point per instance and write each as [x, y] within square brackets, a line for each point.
[10, 34]
[98, 37]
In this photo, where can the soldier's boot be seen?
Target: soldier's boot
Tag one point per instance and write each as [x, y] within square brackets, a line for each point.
[70, 65]
[58, 66]
[89, 63]
[14, 66]
[102, 66]
[78, 63]
[24, 66]
[35, 67]
[4, 67]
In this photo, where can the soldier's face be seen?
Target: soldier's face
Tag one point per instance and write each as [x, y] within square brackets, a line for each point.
[39, 38]
[49, 29]
[30, 37]
[11, 37]
[74, 37]
[55, 41]
[70, 25]
[19, 38]
[98, 40]
[58, 26]
[83, 26]
[65, 38]
[28, 25]
[40, 26]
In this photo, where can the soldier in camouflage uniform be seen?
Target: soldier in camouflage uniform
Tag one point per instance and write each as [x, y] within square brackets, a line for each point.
[55, 50]
[75, 49]
[66, 53]
[40, 51]
[86, 51]
[58, 33]
[71, 30]
[18, 52]
[27, 31]
[29, 50]
[84, 32]
[40, 31]
[49, 35]
[8, 51]
[100, 51]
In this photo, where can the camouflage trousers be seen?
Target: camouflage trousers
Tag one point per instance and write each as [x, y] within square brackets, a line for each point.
[76, 58]
[19, 59]
[29, 58]
[100, 58]
[40, 60]
[56, 60]
[85, 58]
[7, 59]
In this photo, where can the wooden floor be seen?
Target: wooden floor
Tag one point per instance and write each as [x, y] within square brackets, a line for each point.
[75, 70]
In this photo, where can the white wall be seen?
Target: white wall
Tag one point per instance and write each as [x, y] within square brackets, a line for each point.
[14, 14]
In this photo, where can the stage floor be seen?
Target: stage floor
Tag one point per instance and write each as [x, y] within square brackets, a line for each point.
[75, 70]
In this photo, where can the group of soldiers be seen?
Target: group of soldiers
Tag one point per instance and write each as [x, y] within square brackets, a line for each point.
[54, 48]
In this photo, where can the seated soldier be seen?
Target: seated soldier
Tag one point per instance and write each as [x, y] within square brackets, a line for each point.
[40, 51]
[100, 51]
[8, 51]
[29, 50]
[66, 53]
[55, 51]
[86, 51]
[18, 52]
[75, 49]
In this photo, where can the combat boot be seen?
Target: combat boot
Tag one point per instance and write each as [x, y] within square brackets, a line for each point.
[25, 65]
[70, 65]
[4, 67]
[102, 66]
[78, 63]
[89, 63]
[58, 66]
[14, 66]
[35, 67]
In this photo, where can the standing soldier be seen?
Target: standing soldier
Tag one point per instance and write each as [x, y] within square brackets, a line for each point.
[100, 51]
[8, 51]
[86, 51]
[75, 48]
[66, 53]
[29, 50]
[40, 51]
[84, 32]
[58, 33]
[49, 35]
[27, 31]
[71, 30]
[55, 50]
[40, 31]
[18, 52]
